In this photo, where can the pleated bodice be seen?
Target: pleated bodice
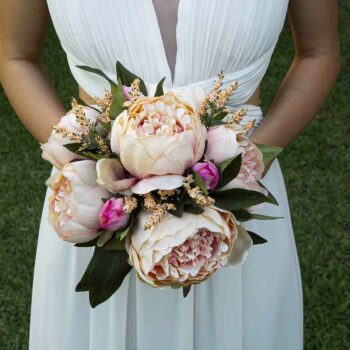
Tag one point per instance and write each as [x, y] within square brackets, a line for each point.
[235, 36]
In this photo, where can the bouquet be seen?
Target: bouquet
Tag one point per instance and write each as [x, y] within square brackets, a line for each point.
[158, 180]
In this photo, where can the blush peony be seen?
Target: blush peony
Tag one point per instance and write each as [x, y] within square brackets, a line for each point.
[181, 251]
[252, 168]
[76, 201]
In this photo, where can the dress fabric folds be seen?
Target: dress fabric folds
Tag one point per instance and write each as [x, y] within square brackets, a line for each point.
[255, 306]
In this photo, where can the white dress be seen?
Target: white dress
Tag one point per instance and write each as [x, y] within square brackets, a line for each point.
[257, 306]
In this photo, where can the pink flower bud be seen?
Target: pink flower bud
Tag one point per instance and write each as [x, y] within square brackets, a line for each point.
[127, 91]
[112, 216]
[208, 172]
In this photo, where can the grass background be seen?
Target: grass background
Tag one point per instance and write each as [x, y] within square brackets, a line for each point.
[316, 169]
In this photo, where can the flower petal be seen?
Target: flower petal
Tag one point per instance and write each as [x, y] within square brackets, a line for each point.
[241, 246]
[162, 182]
[111, 176]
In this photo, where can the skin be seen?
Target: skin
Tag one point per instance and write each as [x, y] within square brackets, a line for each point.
[312, 75]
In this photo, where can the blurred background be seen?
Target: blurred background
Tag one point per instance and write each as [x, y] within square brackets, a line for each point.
[317, 173]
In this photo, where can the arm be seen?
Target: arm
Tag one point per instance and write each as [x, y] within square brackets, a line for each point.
[23, 25]
[311, 76]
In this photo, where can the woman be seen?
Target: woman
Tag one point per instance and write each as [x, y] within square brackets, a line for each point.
[255, 306]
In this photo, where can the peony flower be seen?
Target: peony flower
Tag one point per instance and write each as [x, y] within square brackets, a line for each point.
[158, 136]
[76, 202]
[112, 177]
[54, 151]
[181, 251]
[112, 216]
[251, 170]
[208, 172]
[222, 144]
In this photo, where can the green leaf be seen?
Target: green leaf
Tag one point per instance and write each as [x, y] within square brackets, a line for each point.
[114, 244]
[217, 122]
[242, 215]
[127, 78]
[104, 237]
[237, 198]
[84, 283]
[270, 198]
[98, 72]
[73, 147]
[193, 209]
[186, 290]
[265, 217]
[245, 215]
[81, 102]
[180, 205]
[107, 271]
[121, 234]
[256, 238]
[118, 100]
[92, 155]
[269, 152]
[107, 274]
[223, 165]
[91, 243]
[220, 114]
[229, 169]
[199, 182]
[159, 89]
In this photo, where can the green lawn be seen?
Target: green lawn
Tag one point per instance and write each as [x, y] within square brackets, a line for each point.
[316, 169]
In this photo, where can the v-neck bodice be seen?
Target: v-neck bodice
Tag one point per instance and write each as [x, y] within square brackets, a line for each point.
[167, 21]
[235, 36]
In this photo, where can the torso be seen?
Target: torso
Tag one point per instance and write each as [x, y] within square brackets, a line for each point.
[187, 40]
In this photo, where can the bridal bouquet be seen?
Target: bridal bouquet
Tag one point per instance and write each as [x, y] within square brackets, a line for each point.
[156, 179]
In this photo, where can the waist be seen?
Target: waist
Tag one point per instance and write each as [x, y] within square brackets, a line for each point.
[252, 107]
[254, 100]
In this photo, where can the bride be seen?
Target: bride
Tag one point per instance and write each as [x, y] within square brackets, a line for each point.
[254, 306]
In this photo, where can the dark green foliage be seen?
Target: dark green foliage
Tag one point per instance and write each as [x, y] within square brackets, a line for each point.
[104, 275]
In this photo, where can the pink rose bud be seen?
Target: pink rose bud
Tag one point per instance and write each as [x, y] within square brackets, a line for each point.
[112, 216]
[127, 91]
[208, 172]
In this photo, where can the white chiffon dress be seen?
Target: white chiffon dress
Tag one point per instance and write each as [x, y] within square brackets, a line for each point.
[256, 306]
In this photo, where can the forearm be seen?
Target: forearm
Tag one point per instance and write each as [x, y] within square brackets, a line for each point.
[32, 96]
[300, 97]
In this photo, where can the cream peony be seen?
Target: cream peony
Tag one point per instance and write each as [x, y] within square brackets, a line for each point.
[54, 151]
[222, 144]
[76, 201]
[158, 136]
[185, 250]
